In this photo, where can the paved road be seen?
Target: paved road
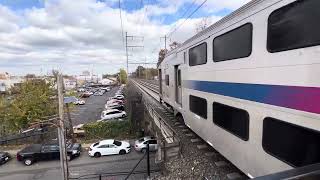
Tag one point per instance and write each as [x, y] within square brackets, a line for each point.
[91, 111]
[80, 166]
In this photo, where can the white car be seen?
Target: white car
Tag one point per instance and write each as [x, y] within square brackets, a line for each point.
[109, 147]
[112, 114]
[79, 102]
[141, 144]
[110, 105]
[106, 88]
[111, 101]
[119, 96]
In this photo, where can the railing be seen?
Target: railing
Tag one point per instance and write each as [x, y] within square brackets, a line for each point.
[310, 172]
[170, 143]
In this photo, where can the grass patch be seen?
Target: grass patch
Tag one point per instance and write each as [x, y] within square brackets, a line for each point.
[108, 129]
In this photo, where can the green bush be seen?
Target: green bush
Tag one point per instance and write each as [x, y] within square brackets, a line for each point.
[109, 129]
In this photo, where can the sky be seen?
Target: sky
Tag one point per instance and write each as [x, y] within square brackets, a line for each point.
[73, 36]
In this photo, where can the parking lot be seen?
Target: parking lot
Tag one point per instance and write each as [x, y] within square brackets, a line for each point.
[83, 165]
[91, 111]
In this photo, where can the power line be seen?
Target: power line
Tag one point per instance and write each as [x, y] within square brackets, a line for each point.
[185, 13]
[122, 33]
[188, 17]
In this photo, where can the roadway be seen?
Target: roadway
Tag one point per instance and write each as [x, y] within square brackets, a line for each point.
[83, 165]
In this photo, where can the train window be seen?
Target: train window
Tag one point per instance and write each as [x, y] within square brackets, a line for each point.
[167, 80]
[233, 120]
[293, 144]
[198, 106]
[294, 26]
[234, 44]
[179, 78]
[198, 55]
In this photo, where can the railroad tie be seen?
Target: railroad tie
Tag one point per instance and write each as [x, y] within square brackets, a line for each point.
[234, 175]
[221, 163]
[202, 146]
[210, 154]
[185, 130]
[195, 140]
[189, 134]
[177, 124]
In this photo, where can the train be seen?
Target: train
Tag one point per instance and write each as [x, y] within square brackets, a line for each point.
[249, 85]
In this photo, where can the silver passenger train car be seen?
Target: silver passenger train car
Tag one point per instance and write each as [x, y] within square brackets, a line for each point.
[249, 85]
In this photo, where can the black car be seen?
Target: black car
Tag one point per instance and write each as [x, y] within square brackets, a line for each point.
[4, 157]
[42, 152]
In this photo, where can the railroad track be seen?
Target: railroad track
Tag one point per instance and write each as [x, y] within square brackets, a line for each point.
[152, 87]
[194, 147]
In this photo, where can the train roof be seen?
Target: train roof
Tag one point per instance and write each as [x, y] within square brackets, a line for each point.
[232, 16]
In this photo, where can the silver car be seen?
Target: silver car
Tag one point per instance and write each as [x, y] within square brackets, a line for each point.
[141, 144]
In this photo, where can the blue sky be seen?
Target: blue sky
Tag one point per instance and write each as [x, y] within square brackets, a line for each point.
[72, 35]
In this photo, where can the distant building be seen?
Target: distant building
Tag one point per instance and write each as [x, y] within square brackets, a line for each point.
[107, 81]
[87, 77]
[70, 83]
[7, 81]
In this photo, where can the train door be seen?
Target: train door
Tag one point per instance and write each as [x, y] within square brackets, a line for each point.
[178, 89]
[160, 81]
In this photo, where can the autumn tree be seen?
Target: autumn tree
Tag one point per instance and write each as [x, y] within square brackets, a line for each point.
[123, 77]
[32, 102]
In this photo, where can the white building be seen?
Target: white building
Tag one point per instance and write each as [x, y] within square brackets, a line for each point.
[7, 81]
[70, 83]
[106, 81]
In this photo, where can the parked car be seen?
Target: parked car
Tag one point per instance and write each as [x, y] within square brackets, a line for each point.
[113, 101]
[79, 130]
[106, 89]
[120, 97]
[141, 144]
[4, 157]
[40, 152]
[81, 90]
[110, 105]
[120, 107]
[86, 94]
[98, 93]
[109, 147]
[79, 102]
[112, 114]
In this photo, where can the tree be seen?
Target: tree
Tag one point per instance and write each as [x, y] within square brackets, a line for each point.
[32, 102]
[174, 45]
[123, 76]
[30, 76]
[203, 24]
[162, 55]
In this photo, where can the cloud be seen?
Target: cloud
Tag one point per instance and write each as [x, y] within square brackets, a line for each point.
[77, 35]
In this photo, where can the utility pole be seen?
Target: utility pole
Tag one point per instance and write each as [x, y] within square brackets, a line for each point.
[127, 53]
[165, 41]
[61, 130]
[129, 46]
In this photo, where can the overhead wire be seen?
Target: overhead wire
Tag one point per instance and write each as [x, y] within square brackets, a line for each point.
[173, 31]
[122, 32]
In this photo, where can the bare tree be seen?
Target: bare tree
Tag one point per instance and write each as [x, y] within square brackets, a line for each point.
[203, 24]
[162, 54]
[174, 45]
